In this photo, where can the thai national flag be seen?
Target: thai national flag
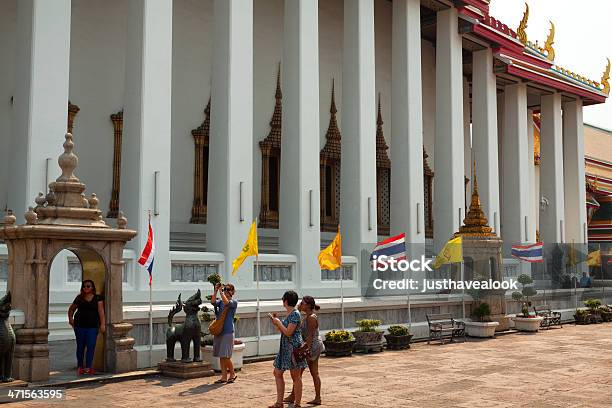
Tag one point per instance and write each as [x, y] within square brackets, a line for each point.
[529, 253]
[148, 254]
[394, 247]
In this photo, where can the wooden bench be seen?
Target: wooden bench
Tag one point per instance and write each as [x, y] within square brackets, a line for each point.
[551, 318]
[442, 326]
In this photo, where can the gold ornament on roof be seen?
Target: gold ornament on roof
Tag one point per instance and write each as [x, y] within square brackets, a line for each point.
[548, 45]
[475, 222]
[606, 78]
[520, 31]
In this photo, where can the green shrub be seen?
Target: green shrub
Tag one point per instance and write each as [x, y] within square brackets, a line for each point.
[524, 279]
[398, 330]
[338, 336]
[482, 312]
[525, 293]
[368, 325]
[581, 312]
[214, 279]
[592, 304]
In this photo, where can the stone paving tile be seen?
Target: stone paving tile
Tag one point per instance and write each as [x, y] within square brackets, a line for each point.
[569, 367]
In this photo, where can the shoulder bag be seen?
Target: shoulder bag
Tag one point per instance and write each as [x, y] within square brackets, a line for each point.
[216, 326]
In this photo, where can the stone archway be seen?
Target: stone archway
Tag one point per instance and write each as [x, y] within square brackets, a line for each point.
[65, 219]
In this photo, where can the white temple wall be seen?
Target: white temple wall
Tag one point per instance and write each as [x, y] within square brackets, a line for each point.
[331, 31]
[267, 53]
[382, 37]
[97, 76]
[192, 28]
[428, 71]
[8, 31]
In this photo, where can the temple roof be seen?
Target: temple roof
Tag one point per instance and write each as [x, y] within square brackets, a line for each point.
[519, 57]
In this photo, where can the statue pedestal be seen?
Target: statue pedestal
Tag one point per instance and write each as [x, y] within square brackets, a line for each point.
[186, 370]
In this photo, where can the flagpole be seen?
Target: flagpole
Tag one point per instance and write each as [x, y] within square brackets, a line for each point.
[462, 288]
[151, 324]
[150, 314]
[342, 295]
[257, 307]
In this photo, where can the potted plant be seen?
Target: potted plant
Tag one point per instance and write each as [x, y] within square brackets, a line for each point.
[398, 338]
[525, 321]
[481, 326]
[606, 313]
[593, 312]
[339, 343]
[580, 316]
[206, 318]
[368, 337]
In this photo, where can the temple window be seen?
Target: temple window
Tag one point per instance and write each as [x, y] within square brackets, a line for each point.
[428, 195]
[383, 178]
[270, 164]
[201, 137]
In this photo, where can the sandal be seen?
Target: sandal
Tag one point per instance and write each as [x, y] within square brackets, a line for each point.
[220, 382]
[289, 398]
[231, 380]
[275, 405]
[316, 401]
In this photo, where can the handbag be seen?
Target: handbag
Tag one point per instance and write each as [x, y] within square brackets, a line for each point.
[216, 326]
[301, 353]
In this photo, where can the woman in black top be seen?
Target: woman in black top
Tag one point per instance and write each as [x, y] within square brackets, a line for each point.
[88, 318]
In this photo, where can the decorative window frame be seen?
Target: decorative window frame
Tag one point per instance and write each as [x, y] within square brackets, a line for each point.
[330, 163]
[271, 150]
[201, 138]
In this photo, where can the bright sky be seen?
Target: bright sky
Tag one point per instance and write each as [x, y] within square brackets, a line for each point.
[582, 38]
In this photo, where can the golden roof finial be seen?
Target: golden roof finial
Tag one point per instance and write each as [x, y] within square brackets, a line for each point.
[548, 45]
[605, 79]
[520, 31]
[475, 222]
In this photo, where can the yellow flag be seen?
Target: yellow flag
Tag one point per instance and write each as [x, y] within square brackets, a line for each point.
[594, 258]
[331, 257]
[451, 253]
[249, 248]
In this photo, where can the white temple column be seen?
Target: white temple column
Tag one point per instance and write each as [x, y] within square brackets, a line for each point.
[531, 177]
[484, 132]
[230, 187]
[299, 225]
[40, 100]
[553, 213]
[145, 168]
[515, 171]
[573, 161]
[449, 144]
[407, 195]
[358, 174]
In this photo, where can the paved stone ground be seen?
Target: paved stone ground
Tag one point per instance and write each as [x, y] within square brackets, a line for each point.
[569, 367]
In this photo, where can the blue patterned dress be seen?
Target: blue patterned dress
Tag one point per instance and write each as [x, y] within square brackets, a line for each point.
[284, 359]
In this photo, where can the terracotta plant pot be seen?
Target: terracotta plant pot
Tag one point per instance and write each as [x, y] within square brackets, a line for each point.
[527, 324]
[398, 342]
[339, 348]
[481, 329]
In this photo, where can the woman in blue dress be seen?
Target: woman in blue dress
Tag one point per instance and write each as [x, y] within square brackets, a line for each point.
[291, 338]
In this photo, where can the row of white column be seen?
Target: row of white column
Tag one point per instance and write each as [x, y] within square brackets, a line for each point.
[42, 92]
